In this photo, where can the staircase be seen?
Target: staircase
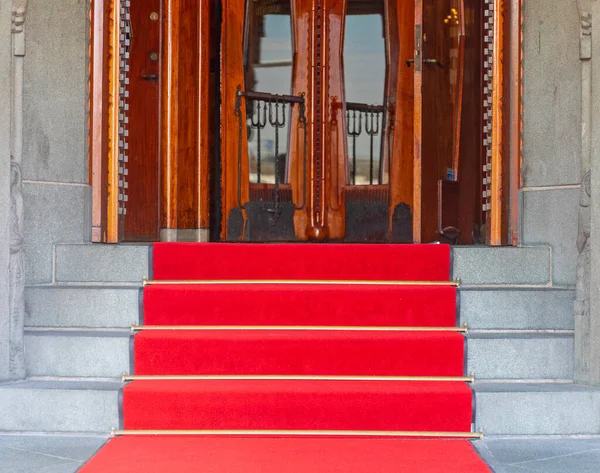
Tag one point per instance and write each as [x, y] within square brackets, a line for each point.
[520, 343]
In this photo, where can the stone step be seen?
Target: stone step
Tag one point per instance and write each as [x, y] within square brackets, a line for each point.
[537, 409]
[82, 306]
[479, 265]
[517, 309]
[520, 356]
[96, 263]
[60, 406]
[106, 354]
[93, 354]
[501, 408]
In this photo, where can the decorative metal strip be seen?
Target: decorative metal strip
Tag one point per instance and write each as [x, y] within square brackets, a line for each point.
[123, 119]
[488, 63]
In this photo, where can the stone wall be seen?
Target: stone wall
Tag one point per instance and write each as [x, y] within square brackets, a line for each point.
[55, 169]
[552, 131]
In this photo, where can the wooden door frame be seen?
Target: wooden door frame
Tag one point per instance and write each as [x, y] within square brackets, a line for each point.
[103, 120]
[103, 155]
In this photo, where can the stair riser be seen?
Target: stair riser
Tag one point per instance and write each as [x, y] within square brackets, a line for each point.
[77, 355]
[502, 265]
[517, 309]
[526, 357]
[99, 307]
[300, 353]
[59, 410]
[108, 355]
[539, 413]
[297, 405]
[300, 305]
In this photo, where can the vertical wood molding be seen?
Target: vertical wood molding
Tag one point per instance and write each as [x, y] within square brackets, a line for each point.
[98, 116]
[418, 130]
[498, 109]
[112, 224]
[169, 114]
[204, 116]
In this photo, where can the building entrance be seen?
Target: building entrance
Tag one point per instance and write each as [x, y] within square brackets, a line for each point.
[302, 120]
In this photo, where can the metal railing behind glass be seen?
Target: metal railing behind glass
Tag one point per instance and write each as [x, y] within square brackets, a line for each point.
[270, 110]
[369, 121]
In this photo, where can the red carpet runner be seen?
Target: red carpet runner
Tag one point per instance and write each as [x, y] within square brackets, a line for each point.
[290, 358]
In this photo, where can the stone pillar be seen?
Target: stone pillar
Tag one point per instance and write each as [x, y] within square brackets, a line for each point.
[588, 352]
[5, 121]
[582, 300]
[12, 264]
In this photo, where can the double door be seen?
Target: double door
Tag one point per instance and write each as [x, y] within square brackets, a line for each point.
[341, 119]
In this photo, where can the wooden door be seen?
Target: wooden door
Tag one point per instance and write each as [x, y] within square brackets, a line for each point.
[438, 112]
[339, 150]
[140, 171]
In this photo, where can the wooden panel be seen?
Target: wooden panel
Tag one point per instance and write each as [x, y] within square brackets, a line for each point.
[186, 121]
[448, 209]
[98, 144]
[302, 22]
[334, 131]
[434, 115]
[232, 76]
[140, 223]
[400, 89]
[497, 213]
[470, 163]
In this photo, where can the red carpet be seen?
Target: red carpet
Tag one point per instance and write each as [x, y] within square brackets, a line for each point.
[251, 339]
[284, 455]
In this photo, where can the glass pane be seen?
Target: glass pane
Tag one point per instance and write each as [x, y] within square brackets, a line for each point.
[268, 68]
[365, 72]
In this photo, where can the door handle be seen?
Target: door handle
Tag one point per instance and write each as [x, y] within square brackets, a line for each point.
[151, 77]
[436, 62]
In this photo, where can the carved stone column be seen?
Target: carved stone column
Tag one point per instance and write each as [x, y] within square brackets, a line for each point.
[5, 138]
[582, 300]
[16, 269]
[587, 330]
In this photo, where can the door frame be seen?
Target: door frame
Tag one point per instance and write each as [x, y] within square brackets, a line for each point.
[103, 156]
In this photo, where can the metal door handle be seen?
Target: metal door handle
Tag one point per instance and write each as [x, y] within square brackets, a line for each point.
[150, 76]
[437, 62]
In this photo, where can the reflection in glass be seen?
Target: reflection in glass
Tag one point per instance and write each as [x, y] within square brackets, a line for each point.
[364, 72]
[268, 68]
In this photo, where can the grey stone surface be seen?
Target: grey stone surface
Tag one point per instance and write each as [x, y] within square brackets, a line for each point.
[550, 217]
[5, 120]
[524, 309]
[59, 406]
[523, 455]
[483, 265]
[66, 306]
[518, 356]
[55, 213]
[70, 448]
[103, 263]
[55, 98]
[537, 409]
[552, 93]
[80, 354]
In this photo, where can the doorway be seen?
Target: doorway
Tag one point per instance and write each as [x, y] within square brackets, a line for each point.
[303, 120]
[343, 121]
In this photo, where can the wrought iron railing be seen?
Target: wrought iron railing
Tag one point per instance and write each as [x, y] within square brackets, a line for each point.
[270, 109]
[369, 119]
